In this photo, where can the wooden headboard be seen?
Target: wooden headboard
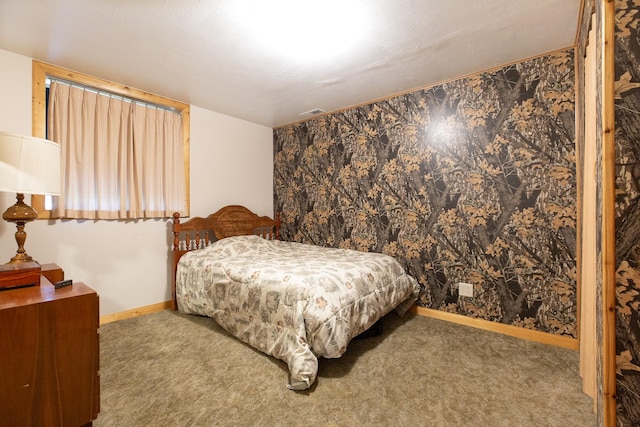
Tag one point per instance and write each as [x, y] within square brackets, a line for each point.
[198, 232]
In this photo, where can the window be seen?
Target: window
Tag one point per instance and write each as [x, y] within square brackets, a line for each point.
[144, 179]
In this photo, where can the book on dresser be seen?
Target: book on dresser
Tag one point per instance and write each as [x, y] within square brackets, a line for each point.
[49, 353]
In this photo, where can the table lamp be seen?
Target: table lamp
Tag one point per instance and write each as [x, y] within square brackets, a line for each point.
[32, 166]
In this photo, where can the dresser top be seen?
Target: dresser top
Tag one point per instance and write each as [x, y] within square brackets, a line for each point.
[17, 297]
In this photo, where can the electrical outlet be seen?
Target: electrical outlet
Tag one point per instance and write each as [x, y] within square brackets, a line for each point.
[465, 289]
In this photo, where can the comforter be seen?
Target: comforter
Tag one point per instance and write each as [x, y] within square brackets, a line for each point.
[293, 301]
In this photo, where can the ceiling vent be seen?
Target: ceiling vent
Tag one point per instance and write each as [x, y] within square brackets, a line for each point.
[310, 113]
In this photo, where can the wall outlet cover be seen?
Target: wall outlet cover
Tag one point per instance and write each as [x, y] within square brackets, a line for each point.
[465, 289]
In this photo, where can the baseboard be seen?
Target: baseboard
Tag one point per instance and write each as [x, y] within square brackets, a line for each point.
[514, 331]
[141, 311]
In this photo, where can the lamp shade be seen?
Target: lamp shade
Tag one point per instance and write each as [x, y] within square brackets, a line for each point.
[29, 165]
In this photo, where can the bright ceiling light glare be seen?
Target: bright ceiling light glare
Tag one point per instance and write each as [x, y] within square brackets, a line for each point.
[303, 30]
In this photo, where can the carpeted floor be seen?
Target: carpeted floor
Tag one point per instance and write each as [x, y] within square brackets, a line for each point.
[170, 369]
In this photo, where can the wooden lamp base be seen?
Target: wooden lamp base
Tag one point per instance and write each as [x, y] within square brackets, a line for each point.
[22, 270]
[15, 275]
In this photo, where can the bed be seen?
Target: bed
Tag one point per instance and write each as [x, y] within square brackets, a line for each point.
[293, 301]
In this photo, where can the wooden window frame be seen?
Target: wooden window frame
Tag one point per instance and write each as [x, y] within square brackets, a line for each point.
[40, 72]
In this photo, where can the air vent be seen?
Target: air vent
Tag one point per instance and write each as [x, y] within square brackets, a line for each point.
[310, 113]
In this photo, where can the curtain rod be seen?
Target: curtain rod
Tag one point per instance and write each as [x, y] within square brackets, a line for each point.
[102, 92]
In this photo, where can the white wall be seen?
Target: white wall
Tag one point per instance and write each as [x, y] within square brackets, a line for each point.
[127, 262]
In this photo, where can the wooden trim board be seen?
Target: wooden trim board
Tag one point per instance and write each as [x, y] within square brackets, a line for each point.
[608, 231]
[427, 87]
[514, 331]
[136, 312]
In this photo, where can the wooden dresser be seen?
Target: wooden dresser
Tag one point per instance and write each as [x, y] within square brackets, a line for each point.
[49, 354]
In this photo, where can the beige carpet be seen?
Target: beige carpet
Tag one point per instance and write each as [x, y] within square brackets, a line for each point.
[169, 369]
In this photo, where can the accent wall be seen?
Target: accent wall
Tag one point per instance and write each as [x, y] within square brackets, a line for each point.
[470, 181]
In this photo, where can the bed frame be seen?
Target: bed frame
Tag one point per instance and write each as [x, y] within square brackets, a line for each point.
[232, 220]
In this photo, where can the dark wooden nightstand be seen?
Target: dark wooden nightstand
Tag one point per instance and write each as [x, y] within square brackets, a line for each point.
[49, 353]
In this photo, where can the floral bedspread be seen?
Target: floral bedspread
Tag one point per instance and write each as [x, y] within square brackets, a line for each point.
[293, 301]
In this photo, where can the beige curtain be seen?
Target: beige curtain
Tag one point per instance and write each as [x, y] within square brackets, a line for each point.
[120, 159]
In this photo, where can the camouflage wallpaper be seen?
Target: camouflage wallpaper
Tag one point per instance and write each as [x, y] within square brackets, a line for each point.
[468, 181]
[627, 136]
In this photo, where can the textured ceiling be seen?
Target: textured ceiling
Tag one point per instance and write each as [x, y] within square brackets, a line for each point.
[268, 61]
